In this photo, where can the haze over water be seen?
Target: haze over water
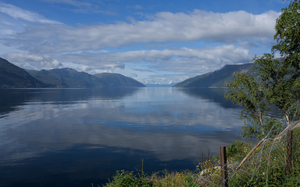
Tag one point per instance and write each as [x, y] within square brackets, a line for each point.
[75, 137]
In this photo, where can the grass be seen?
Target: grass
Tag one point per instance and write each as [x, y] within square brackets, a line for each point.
[267, 164]
[159, 179]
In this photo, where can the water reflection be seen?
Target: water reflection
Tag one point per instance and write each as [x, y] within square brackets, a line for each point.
[63, 133]
[10, 99]
[215, 95]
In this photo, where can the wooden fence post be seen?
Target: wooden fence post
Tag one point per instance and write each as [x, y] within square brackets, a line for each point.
[289, 151]
[223, 161]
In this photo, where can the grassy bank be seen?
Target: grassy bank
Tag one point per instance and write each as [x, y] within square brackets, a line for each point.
[266, 165]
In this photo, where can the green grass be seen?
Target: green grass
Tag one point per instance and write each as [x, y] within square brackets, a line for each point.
[159, 179]
[267, 163]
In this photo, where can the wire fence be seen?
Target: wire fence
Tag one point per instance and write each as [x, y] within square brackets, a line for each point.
[268, 163]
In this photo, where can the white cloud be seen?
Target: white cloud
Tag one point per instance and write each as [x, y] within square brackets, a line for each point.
[164, 27]
[83, 7]
[71, 2]
[30, 61]
[220, 55]
[26, 15]
[180, 63]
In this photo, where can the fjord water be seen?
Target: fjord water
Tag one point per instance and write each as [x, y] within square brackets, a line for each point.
[75, 137]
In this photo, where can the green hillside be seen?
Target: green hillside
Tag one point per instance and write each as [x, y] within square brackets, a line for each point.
[217, 78]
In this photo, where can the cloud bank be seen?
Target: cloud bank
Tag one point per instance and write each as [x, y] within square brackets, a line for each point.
[162, 27]
[30, 61]
[194, 61]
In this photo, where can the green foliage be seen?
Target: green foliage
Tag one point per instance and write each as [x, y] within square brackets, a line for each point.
[189, 184]
[248, 92]
[159, 179]
[287, 33]
[279, 79]
[238, 149]
[128, 179]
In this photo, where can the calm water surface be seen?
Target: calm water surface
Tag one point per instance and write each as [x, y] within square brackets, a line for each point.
[75, 137]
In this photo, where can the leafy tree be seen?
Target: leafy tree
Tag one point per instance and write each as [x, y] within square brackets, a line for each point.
[248, 92]
[278, 80]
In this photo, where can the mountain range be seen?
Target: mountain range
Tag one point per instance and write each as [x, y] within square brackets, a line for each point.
[12, 76]
[217, 78]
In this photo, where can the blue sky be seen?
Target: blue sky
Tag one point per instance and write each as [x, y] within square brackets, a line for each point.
[153, 41]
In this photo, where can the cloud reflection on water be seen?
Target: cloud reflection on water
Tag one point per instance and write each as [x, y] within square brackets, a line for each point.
[173, 126]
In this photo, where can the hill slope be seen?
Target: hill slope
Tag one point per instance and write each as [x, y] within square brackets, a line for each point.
[12, 76]
[118, 80]
[45, 77]
[75, 79]
[217, 78]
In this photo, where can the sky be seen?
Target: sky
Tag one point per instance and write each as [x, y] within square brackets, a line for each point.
[152, 41]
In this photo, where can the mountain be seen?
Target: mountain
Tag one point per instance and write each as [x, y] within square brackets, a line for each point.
[66, 77]
[12, 76]
[118, 80]
[75, 79]
[217, 78]
[46, 77]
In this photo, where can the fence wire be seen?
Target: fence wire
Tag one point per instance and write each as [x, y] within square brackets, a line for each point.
[265, 166]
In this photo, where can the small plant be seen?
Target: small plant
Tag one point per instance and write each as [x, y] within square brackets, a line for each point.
[128, 179]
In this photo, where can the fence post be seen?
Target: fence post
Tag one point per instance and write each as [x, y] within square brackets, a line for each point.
[289, 151]
[223, 161]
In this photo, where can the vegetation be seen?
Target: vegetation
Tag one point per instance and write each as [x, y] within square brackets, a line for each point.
[278, 83]
[159, 179]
